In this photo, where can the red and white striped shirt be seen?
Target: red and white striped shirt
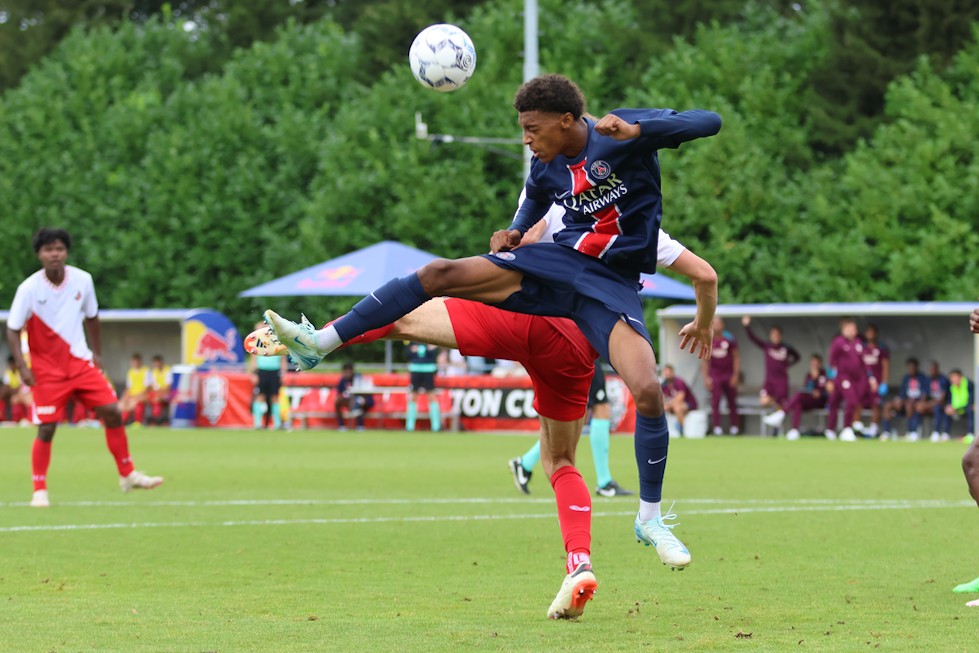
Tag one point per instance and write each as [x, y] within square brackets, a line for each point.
[53, 317]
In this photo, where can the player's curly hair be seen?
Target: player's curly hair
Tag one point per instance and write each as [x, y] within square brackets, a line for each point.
[550, 93]
[47, 235]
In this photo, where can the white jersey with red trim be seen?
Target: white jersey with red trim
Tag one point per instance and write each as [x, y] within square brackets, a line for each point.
[53, 317]
[667, 249]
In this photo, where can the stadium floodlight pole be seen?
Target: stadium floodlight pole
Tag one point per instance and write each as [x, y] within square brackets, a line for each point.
[531, 62]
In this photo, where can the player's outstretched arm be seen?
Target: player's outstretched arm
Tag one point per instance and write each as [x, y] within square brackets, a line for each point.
[529, 213]
[974, 321]
[699, 334]
[659, 128]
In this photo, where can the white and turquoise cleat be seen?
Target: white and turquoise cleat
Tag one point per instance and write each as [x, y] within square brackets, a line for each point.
[299, 339]
[660, 536]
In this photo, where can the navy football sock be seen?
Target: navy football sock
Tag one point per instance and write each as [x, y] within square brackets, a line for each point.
[652, 441]
[385, 305]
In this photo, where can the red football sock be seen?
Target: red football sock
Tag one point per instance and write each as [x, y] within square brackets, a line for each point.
[573, 512]
[115, 437]
[364, 338]
[40, 460]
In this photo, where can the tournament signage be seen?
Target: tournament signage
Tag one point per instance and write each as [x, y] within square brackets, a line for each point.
[509, 403]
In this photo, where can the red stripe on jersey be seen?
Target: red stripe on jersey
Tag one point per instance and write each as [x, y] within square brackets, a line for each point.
[608, 221]
[595, 244]
[579, 178]
[51, 357]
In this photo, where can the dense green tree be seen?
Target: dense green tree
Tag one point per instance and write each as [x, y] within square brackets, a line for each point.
[190, 173]
[870, 43]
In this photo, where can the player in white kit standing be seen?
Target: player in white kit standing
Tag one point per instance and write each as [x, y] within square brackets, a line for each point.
[56, 306]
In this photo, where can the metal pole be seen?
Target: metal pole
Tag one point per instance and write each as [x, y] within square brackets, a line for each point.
[531, 63]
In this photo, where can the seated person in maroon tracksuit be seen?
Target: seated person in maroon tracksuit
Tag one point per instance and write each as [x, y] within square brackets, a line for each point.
[812, 397]
[677, 396]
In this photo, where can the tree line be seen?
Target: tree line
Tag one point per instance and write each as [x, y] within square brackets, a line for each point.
[190, 169]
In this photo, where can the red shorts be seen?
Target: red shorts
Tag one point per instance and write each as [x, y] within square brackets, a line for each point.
[88, 386]
[557, 356]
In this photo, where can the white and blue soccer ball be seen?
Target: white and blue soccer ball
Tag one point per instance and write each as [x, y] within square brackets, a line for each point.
[442, 57]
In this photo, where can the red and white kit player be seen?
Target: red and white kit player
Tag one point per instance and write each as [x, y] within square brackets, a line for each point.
[56, 306]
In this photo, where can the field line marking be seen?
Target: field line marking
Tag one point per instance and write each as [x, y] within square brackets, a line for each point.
[459, 518]
[924, 503]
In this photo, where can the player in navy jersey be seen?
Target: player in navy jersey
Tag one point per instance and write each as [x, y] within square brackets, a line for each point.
[913, 388]
[779, 357]
[877, 359]
[934, 403]
[606, 174]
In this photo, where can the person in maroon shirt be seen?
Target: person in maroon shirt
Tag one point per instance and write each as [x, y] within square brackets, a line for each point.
[877, 359]
[721, 373]
[849, 382]
[811, 397]
[779, 357]
[677, 397]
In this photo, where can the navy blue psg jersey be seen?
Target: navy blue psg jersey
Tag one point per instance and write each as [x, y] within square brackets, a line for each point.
[611, 190]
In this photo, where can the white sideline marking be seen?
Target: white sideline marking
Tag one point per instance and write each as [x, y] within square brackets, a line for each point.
[924, 503]
[818, 507]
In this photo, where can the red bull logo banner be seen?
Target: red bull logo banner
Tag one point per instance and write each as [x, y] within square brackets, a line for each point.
[210, 339]
[331, 278]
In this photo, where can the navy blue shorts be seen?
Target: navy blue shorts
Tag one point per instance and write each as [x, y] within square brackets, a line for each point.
[561, 282]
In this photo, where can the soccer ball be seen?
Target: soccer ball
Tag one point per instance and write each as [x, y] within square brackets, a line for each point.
[442, 57]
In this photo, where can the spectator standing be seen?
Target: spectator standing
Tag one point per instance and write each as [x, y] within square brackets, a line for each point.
[877, 360]
[912, 390]
[721, 373]
[422, 366]
[779, 357]
[850, 380]
[267, 371]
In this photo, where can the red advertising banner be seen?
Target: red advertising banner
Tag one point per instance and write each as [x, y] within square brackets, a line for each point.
[224, 399]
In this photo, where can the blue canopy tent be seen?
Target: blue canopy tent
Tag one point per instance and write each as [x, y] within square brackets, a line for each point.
[355, 274]
[664, 287]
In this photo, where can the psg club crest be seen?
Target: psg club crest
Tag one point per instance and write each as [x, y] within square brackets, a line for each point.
[600, 170]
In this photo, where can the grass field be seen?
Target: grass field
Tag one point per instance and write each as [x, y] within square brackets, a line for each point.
[322, 541]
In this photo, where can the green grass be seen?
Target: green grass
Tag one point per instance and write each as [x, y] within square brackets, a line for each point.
[322, 541]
